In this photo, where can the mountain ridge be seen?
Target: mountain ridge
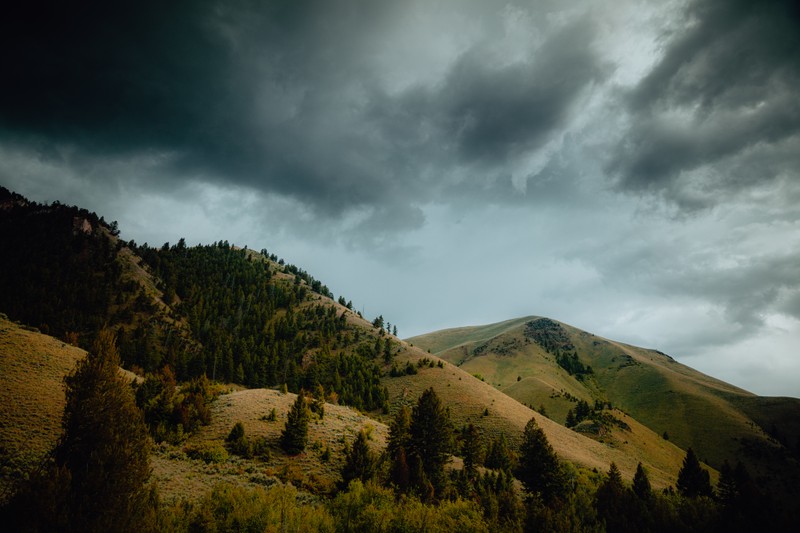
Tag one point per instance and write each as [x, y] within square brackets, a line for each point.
[719, 420]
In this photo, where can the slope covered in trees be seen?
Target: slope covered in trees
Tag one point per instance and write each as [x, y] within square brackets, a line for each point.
[229, 314]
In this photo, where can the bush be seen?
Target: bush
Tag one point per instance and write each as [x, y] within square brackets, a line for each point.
[208, 452]
[231, 508]
[237, 443]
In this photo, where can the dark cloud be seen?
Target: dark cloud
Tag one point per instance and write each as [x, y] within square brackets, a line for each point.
[495, 113]
[281, 97]
[724, 90]
[393, 148]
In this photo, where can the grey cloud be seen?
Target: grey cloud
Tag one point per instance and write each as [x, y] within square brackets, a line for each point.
[725, 86]
[283, 98]
[745, 289]
[496, 113]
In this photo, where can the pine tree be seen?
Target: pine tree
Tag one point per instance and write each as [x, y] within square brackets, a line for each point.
[318, 403]
[570, 419]
[726, 488]
[499, 456]
[471, 450]
[430, 441]
[693, 480]
[387, 351]
[98, 478]
[360, 462]
[539, 468]
[236, 441]
[295, 435]
[613, 503]
[399, 439]
[641, 484]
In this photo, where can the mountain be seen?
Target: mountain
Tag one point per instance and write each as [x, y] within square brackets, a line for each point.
[545, 363]
[245, 317]
[252, 324]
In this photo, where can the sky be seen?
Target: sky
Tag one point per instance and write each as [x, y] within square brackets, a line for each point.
[629, 167]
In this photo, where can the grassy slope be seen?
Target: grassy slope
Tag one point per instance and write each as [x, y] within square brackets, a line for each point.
[694, 409]
[32, 368]
[467, 397]
[48, 360]
[179, 476]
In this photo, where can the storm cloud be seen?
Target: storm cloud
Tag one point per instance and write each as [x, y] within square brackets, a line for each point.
[284, 98]
[720, 102]
[632, 168]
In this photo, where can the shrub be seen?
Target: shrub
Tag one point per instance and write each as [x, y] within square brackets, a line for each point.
[210, 453]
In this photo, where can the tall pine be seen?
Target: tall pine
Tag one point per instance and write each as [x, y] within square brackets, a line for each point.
[641, 484]
[98, 478]
[539, 468]
[295, 434]
[360, 462]
[396, 448]
[431, 438]
[693, 480]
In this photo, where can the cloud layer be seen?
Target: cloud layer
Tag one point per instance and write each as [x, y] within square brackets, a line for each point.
[630, 167]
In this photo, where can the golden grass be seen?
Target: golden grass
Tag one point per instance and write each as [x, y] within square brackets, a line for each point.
[32, 369]
[468, 397]
[656, 393]
[181, 477]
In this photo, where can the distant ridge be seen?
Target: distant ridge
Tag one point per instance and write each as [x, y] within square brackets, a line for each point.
[720, 421]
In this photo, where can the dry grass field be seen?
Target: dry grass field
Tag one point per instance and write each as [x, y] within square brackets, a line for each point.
[32, 369]
[179, 476]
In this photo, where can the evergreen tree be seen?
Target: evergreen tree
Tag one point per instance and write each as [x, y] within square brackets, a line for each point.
[387, 351]
[539, 468]
[613, 504]
[237, 442]
[570, 423]
[295, 435]
[318, 404]
[727, 491]
[641, 484]
[693, 480]
[471, 450]
[360, 462]
[98, 478]
[499, 456]
[430, 442]
[399, 440]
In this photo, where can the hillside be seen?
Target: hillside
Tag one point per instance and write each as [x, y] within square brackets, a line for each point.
[531, 359]
[180, 474]
[245, 317]
[469, 397]
[47, 360]
[32, 368]
[191, 321]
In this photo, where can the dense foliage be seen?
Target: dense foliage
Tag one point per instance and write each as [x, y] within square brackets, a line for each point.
[260, 326]
[57, 268]
[229, 314]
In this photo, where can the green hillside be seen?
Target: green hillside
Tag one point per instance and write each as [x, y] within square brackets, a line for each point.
[531, 360]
